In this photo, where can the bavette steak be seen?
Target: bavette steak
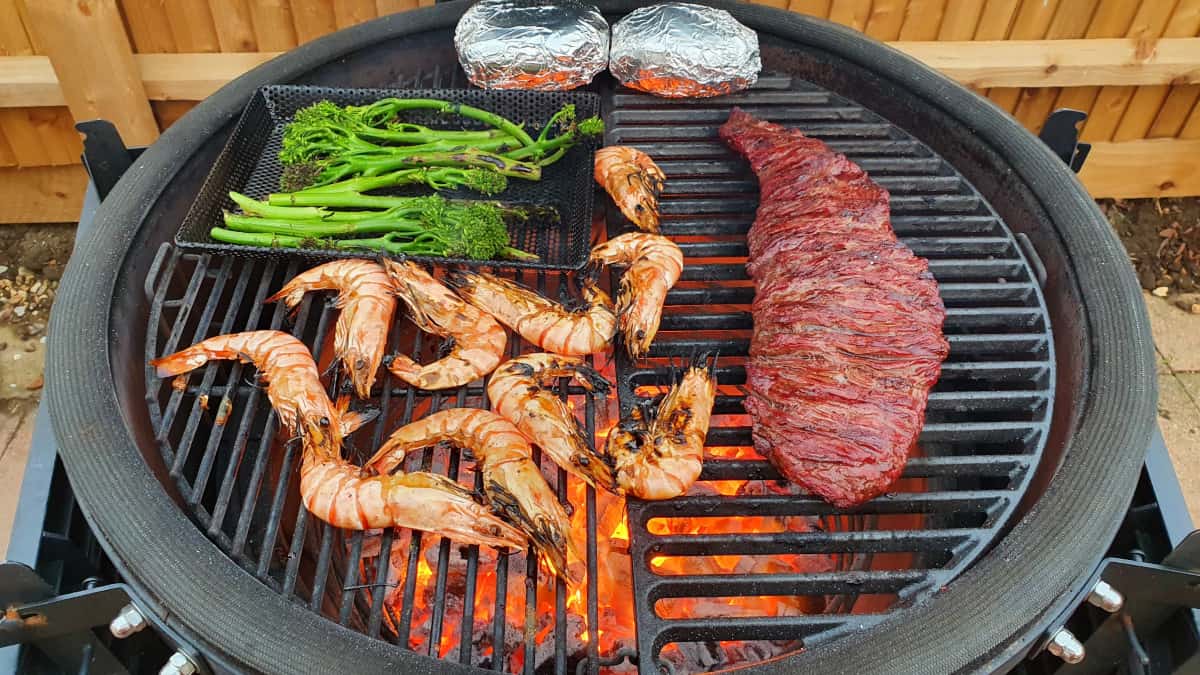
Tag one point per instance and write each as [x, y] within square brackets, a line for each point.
[847, 321]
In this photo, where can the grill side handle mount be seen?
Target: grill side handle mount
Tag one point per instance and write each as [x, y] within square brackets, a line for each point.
[1061, 133]
[1139, 596]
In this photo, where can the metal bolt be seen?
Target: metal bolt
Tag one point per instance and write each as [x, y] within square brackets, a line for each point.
[178, 664]
[1106, 597]
[1066, 646]
[129, 621]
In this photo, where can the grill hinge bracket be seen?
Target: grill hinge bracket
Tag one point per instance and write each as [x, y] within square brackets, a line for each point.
[61, 626]
[1151, 594]
[1061, 134]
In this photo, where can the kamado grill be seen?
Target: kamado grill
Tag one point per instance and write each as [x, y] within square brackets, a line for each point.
[1029, 456]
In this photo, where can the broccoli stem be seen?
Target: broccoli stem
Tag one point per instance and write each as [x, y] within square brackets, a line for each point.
[462, 158]
[322, 229]
[438, 178]
[415, 134]
[264, 240]
[380, 113]
[267, 210]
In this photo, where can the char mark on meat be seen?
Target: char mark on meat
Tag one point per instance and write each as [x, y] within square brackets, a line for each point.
[847, 321]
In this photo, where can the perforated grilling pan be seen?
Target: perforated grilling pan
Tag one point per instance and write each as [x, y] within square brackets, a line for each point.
[250, 164]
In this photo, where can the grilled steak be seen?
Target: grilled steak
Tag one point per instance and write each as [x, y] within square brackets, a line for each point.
[847, 321]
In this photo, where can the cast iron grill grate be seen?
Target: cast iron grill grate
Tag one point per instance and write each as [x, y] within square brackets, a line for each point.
[984, 435]
[987, 418]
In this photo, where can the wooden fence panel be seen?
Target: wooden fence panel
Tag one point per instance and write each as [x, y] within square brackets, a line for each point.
[274, 25]
[234, 24]
[348, 13]
[1030, 23]
[1146, 102]
[922, 19]
[314, 18]
[1070, 21]
[961, 19]
[811, 7]
[886, 19]
[852, 13]
[385, 7]
[1148, 23]
[192, 25]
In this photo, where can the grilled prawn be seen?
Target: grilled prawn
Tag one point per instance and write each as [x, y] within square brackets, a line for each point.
[634, 182]
[367, 306]
[285, 364]
[659, 454]
[520, 391]
[585, 328]
[345, 496]
[512, 483]
[478, 341]
[655, 264]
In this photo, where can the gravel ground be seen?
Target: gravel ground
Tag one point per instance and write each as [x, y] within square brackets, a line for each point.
[32, 258]
[1162, 237]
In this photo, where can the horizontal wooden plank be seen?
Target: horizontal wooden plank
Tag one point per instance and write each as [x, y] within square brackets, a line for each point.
[1062, 63]
[29, 80]
[1162, 167]
[194, 77]
[41, 194]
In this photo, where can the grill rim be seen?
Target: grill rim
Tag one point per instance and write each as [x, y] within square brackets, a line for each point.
[1085, 497]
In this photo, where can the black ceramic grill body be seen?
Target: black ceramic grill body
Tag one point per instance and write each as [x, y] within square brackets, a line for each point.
[1103, 374]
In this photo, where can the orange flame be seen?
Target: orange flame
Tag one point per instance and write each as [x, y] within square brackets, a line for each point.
[613, 583]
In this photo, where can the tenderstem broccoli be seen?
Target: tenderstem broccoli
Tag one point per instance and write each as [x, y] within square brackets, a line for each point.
[417, 226]
[326, 144]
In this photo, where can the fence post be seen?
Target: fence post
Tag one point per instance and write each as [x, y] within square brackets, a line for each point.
[90, 52]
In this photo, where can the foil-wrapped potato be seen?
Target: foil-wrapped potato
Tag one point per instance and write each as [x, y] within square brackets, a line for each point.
[516, 44]
[682, 50]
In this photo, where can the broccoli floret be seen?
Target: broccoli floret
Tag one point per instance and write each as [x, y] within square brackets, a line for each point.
[592, 126]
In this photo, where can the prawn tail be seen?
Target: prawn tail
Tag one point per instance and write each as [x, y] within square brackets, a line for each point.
[291, 294]
[352, 421]
[462, 281]
[181, 362]
[591, 379]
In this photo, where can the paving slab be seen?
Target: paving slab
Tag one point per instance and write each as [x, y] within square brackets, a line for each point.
[16, 435]
[21, 363]
[1176, 334]
[1191, 384]
[1179, 420]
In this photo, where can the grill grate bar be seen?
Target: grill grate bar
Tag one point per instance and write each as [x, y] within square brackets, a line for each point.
[747, 188]
[760, 628]
[250, 409]
[989, 294]
[703, 506]
[759, 97]
[728, 585]
[210, 371]
[855, 130]
[917, 467]
[244, 517]
[876, 166]
[960, 345]
[713, 117]
[226, 403]
[171, 345]
[779, 543]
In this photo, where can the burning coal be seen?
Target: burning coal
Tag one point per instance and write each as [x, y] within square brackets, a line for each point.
[527, 598]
